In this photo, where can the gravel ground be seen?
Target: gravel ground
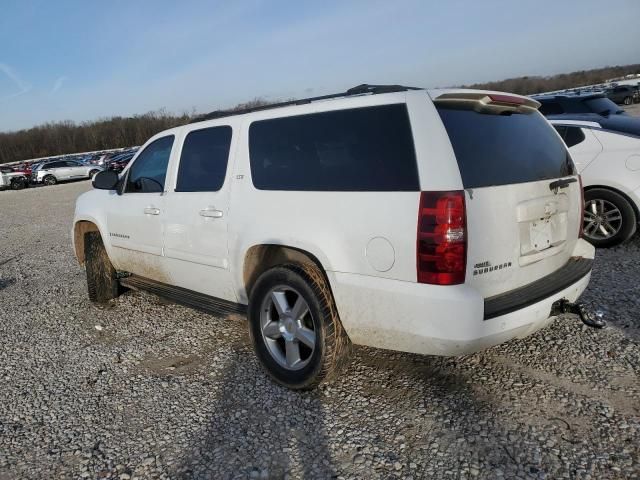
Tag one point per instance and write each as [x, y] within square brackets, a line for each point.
[153, 390]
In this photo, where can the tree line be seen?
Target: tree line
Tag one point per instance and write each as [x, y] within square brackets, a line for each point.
[537, 84]
[58, 138]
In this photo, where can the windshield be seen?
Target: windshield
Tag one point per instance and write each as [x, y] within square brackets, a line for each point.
[603, 106]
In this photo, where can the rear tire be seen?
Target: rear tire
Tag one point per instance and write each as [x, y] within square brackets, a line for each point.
[18, 184]
[316, 335]
[607, 211]
[49, 180]
[102, 281]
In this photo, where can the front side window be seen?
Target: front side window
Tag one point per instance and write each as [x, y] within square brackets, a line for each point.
[148, 172]
[203, 162]
[361, 149]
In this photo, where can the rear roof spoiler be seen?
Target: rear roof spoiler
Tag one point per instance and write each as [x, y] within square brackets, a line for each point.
[487, 102]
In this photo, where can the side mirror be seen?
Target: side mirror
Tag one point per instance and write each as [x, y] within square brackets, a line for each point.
[106, 180]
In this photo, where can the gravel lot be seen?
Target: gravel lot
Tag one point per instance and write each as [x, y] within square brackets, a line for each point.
[153, 390]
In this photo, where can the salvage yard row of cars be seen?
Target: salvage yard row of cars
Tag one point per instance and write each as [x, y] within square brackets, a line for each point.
[71, 167]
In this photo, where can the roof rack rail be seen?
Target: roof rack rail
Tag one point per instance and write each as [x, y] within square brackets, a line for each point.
[363, 89]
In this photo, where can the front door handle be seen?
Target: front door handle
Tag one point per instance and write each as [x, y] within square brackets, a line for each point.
[210, 212]
[152, 211]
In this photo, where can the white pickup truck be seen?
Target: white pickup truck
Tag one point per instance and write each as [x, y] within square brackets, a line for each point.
[434, 222]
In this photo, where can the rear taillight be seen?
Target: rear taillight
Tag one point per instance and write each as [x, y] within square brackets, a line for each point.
[581, 219]
[442, 238]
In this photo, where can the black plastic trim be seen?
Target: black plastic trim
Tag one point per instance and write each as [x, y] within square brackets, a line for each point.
[570, 273]
[183, 296]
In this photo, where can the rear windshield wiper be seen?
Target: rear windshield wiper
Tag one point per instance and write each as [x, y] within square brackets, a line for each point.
[562, 183]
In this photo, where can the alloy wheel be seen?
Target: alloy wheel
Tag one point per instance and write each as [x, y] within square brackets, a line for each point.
[602, 219]
[287, 328]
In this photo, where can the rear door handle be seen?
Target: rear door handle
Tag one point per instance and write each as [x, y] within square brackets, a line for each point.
[210, 212]
[152, 211]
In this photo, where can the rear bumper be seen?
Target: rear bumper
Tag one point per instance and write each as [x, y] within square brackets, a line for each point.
[575, 269]
[443, 320]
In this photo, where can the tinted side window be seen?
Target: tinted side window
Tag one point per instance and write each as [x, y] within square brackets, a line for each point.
[551, 108]
[571, 135]
[362, 149]
[504, 149]
[562, 131]
[148, 172]
[574, 136]
[203, 162]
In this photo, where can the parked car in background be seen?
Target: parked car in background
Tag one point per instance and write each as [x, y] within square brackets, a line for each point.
[590, 107]
[609, 163]
[13, 179]
[621, 94]
[50, 173]
[385, 216]
[119, 163]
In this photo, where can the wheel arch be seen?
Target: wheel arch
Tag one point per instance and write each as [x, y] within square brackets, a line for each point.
[261, 257]
[633, 204]
[81, 227]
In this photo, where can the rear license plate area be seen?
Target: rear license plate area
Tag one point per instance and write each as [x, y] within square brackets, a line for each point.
[540, 234]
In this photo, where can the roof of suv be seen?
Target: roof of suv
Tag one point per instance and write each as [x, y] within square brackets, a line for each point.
[362, 89]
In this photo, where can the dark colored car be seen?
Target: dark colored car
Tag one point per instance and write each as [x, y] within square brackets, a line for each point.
[120, 162]
[621, 94]
[590, 107]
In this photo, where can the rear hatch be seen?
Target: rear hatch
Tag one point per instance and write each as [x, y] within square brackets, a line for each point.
[523, 201]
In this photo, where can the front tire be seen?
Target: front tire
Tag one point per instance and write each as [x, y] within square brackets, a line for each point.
[294, 327]
[49, 180]
[102, 281]
[609, 218]
[628, 100]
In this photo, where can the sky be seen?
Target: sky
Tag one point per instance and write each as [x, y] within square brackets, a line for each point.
[85, 60]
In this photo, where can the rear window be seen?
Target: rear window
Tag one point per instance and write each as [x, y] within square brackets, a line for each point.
[602, 106]
[505, 149]
[363, 149]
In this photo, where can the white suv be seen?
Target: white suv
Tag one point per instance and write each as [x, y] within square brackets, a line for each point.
[56, 171]
[438, 222]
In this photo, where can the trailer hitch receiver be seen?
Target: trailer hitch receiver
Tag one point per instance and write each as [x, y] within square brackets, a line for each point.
[587, 315]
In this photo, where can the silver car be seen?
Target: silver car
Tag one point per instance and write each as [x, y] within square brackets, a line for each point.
[56, 171]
